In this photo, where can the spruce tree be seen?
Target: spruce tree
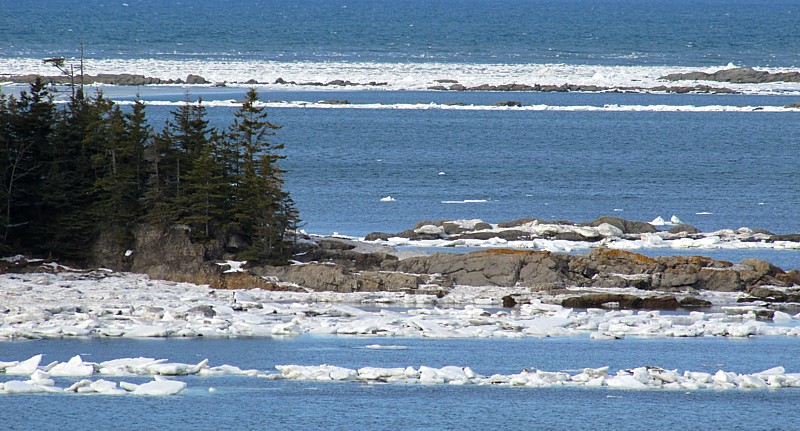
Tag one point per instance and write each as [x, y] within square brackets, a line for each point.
[26, 131]
[66, 226]
[262, 210]
[204, 202]
[116, 157]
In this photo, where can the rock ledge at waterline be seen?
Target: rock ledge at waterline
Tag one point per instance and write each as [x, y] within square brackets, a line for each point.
[345, 266]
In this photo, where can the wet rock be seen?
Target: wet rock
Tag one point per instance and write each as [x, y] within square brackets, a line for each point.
[659, 303]
[626, 226]
[684, 228]
[602, 300]
[509, 103]
[739, 75]
[767, 294]
[196, 79]
[694, 302]
[509, 301]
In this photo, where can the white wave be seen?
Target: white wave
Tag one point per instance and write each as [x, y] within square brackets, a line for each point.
[385, 347]
[436, 106]
[467, 201]
[397, 76]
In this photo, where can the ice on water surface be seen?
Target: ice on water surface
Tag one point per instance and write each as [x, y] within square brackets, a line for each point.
[640, 378]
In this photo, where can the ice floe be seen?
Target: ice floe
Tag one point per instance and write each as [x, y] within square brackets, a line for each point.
[640, 378]
[40, 377]
[45, 305]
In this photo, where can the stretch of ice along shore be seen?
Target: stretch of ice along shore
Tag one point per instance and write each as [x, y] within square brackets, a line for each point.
[397, 76]
[647, 377]
[104, 304]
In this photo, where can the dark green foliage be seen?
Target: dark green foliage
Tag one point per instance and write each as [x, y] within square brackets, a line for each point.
[91, 167]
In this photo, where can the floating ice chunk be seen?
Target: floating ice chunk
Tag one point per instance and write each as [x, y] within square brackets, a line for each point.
[20, 387]
[176, 369]
[372, 373]
[26, 367]
[42, 378]
[388, 199]
[106, 387]
[751, 382]
[322, 372]
[675, 220]
[75, 367]
[4, 365]
[442, 173]
[160, 387]
[658, 221]
[780, 316]
[624, 382]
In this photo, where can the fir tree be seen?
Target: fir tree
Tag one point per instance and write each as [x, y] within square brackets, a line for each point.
[66, 227]
[116, 158]
[263, 211]
[204, 202]
[27, 127]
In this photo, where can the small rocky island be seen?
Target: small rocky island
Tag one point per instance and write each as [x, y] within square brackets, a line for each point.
[597, 278]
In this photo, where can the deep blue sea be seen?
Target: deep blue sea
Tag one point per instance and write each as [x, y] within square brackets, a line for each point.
[712, 167]
[689, 32]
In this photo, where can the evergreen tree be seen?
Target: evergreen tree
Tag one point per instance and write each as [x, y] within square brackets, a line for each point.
[91, 167]
[116, 158]
[188, 133]
[66, 226]
[27, 126]
[204, 202]
[262, 210]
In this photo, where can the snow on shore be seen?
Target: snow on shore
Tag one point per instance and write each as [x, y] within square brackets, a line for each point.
[103, 304]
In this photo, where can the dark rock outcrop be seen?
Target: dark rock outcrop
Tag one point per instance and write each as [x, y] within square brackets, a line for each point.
[738, 75]
[109, 79]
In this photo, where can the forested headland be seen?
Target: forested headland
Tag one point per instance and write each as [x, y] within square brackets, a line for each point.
[75, 171]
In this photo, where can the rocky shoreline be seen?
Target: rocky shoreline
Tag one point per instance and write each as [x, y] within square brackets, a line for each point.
[601, 278]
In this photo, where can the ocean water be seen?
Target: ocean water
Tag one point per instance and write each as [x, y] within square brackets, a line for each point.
[556, 165]
[617, 32]
[254, 403]
[716, 161]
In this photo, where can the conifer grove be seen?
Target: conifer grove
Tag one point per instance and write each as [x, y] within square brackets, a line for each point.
[74, 171]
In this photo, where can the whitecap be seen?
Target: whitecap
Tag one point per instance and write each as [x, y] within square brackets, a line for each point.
[466, 201]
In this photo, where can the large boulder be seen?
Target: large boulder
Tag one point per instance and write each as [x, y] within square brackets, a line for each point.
[626, 226]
